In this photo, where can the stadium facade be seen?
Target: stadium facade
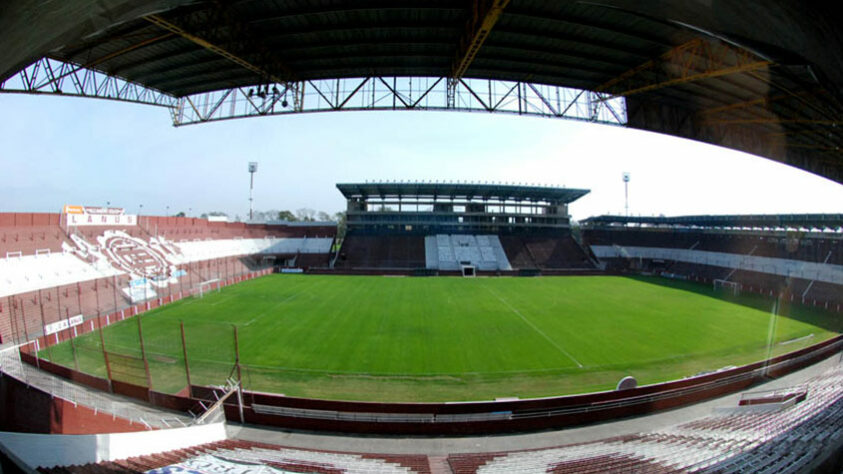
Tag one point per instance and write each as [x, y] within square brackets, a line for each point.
[456, 208]
[450, 226]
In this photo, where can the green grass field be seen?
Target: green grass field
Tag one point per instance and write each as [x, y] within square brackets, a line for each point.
[434, 339]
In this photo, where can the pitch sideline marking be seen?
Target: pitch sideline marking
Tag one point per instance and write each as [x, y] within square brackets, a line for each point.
[534, 327]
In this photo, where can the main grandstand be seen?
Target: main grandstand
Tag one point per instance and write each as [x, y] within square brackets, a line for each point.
[433, 227]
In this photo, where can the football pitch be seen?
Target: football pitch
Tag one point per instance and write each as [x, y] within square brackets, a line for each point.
[446, 338]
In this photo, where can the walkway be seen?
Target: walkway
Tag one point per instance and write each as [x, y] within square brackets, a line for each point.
[441, 446]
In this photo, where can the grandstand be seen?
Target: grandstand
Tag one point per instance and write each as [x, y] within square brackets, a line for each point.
[52, 269]
[448, 226]
[734, 439]
[798, 256]
[787, 427]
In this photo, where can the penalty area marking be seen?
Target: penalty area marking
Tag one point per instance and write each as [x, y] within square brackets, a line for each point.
[533, 326]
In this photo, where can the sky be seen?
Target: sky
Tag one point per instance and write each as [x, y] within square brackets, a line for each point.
[64, 150]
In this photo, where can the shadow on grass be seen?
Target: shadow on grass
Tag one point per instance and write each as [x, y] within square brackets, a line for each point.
[828, 320]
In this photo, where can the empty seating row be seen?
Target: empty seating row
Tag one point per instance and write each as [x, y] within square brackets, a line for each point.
[235, 455]
[545, 252]
[382, 251]
[205, 249]
[782, 440]
[813, 248]
[33, 272]
[30, 240]
[452, 251]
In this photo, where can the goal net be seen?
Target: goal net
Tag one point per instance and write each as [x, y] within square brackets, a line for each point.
[208, 286]
[726, 285]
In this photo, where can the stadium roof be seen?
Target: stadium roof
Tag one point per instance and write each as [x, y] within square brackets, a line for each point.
[766, 221]
[761, 76]
[463, 190]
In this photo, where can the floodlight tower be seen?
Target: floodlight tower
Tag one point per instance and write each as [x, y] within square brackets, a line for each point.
[626, 192]
[253, 168]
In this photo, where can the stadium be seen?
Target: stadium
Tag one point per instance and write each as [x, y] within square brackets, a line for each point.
[442, 326]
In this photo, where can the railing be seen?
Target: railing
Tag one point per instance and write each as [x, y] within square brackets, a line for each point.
[216, 410]
[12, 366]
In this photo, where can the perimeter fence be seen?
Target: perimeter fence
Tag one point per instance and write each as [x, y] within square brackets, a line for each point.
[140, 351]
[43, 311]
[128, 348]
[168, 358]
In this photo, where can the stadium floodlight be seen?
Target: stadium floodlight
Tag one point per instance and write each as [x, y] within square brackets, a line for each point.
[253, 168]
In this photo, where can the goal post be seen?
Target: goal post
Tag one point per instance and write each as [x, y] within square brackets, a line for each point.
[208, 286]
[726, 285]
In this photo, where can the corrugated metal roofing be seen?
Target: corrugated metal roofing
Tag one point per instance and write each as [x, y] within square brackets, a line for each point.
[808, 221]
[462, 190]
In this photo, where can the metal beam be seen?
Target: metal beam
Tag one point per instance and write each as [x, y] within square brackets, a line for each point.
[774, 120]
[264, 74]
[692, 61]
[484, 15]
[113, 55]
[49, 76]
[762, 101]
[483, 18]
[405, 93]
[814, 147]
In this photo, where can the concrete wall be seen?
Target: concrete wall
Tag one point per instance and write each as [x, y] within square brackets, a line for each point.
[30, 410]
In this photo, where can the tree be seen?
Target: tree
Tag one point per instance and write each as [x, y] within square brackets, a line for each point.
[286, 216]
[181, 214]
[340, 217]
[305, 214]
[270, 215]
[212, 213]
[323, 216]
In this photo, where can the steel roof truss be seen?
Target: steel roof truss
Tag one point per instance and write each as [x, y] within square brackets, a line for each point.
[421, 93]
[49, 76]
